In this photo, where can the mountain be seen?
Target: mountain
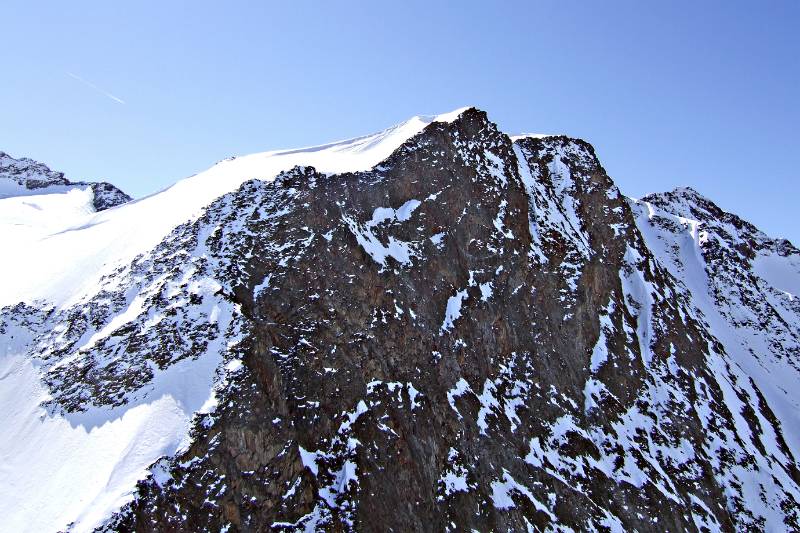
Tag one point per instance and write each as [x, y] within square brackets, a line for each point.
[437, 327]
[26, 177]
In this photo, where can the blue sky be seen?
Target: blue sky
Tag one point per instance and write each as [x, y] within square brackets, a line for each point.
[672, 93]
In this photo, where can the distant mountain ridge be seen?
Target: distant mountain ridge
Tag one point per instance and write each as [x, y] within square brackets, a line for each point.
[24, 176]
[438, 327]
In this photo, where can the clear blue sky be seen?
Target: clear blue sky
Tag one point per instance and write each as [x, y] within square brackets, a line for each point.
[670, 93]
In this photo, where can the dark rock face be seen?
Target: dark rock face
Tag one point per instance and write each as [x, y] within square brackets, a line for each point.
[107, 196]
[475, 334]
[31, 175]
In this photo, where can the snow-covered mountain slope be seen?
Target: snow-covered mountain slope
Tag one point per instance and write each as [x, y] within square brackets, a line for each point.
[743, 281]
[437, 327]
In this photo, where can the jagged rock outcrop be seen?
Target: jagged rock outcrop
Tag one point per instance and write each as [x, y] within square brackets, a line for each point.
[475, 334]
[25, 176]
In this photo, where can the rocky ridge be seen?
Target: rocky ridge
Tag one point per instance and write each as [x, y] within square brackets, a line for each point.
[25, 176]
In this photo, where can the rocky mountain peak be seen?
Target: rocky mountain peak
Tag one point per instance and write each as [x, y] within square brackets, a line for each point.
[28, 173]
[711, 220]
[24, 176]
[478, 332]
[686, 202]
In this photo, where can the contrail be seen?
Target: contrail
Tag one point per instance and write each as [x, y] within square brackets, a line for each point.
[96, 88]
